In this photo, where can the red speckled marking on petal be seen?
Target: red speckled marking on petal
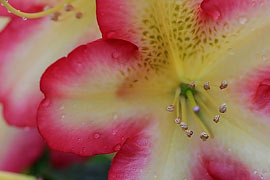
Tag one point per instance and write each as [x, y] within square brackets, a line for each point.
[132, 157]
[218, 165]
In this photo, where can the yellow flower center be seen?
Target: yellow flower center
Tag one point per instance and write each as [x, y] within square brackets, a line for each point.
[191, 98]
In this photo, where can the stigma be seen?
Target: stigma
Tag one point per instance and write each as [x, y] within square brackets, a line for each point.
[55, 13]
[188, 106]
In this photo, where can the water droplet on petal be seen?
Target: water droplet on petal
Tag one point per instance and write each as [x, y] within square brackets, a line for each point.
[117, 147]
[96, 136]
[115, 55]
[110, 34]
[243, 20]
[26, 128]
[115, 116]
[24, 18]
[114, 132]
[46, 103]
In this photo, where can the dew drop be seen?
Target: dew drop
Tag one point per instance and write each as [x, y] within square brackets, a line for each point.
[96, 136]
[24, 18]
[115, 55]
[26, 129]
[114, 132]
[46, 103]
[84, 149]
[243, 20]
[265, 58]
[115, 116]
[110, 34]
[117, 147]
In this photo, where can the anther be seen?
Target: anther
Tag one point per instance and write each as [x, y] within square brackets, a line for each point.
[223, 108]
[206, 86]
[69, 7]
[79, 15]
[55, 16]
[184, 126]
[196, 109]
[204, 136]
[189, 133]
[192, 85]
[216, 118]
[223, 85]
[177, 120]
[170, 108]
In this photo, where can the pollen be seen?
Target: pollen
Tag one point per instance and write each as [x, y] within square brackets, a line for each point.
[54, 12]
[191, 109]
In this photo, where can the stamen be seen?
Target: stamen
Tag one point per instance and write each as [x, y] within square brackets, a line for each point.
[69, 7]
[50, 11]
[177, 120]
[223, 85]
[183, 112]
[200, 124]
[206, 86]
[79, 15]
[216, 118]
[204, 136]
[192, 85]
[189, 133]
[170, 108]
[55, 16]
[223, 108]
[184, 126]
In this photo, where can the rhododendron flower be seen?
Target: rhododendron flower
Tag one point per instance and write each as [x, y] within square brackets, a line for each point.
[20, 147]
[28, 46]
[13, 176]
[178, 88]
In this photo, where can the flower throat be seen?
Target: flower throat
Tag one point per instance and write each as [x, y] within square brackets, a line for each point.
[188, 100]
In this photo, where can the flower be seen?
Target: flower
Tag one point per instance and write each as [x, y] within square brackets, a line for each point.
[20, 147]
[179, 89]
[28, 46]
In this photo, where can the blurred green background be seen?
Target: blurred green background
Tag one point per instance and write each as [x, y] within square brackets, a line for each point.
[94, 168]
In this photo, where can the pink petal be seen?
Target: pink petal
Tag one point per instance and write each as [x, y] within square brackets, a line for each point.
[25, 55]
[20, 148]
[86, 110]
